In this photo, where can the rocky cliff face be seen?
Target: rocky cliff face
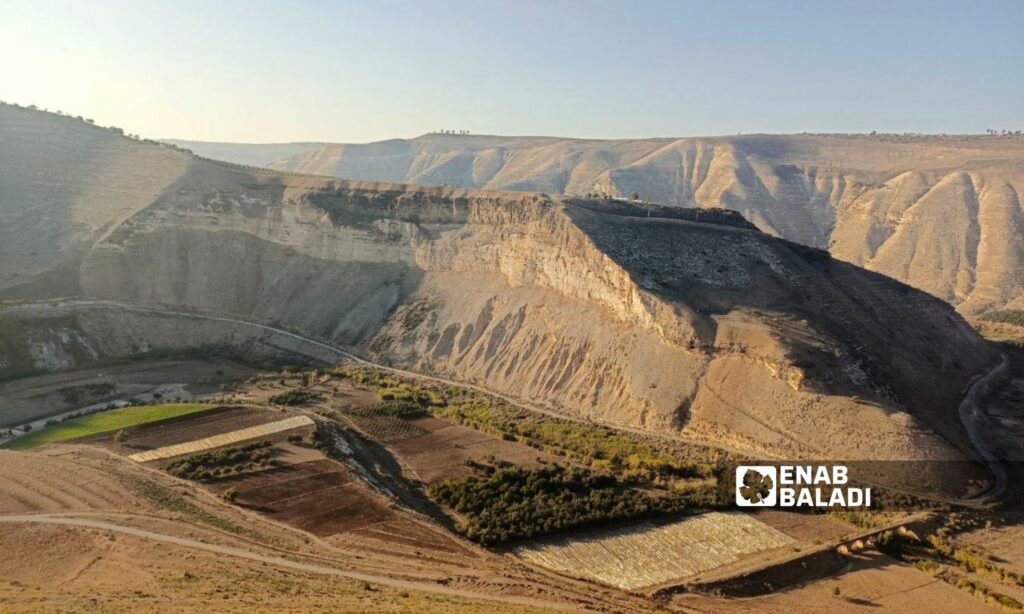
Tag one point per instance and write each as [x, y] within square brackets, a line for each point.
[685, 321]
[942, 214]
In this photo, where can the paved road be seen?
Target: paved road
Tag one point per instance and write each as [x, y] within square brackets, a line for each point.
[967, 407]
[427, 587]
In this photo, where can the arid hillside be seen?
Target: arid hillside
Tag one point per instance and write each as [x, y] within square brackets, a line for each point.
[675, 320]
[942, 214]
[69, 182]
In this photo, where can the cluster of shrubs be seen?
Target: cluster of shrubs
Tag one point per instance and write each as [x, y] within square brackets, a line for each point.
[390, 387]
[1008, 316]
[600, 447]
[503, 504]
[296, 396]
[411, 393]
[940, 557]
[407, 410]
[75, 395]
[223, 462]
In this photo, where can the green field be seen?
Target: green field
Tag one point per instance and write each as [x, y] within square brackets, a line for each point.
[104, 422]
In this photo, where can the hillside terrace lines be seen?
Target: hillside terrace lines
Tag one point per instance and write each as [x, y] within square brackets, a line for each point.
[217, 441]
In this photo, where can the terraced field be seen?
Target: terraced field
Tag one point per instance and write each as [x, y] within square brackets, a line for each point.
[224, 439]
[39, 483]
[647, 554]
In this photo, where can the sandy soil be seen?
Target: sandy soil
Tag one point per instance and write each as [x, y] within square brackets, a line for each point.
[31, 483]
[1005, 543]
[109, 489]
[805, 528]
[56, 568]
[871, 582]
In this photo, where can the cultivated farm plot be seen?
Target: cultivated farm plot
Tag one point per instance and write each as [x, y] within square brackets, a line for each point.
[321, 497]
[105, 422]
[386, 429]
[224, 439]
[189, 428]
[442, 451]
[648, 554]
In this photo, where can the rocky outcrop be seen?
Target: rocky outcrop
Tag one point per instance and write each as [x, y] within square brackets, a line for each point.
[683, 321]
[942, 214]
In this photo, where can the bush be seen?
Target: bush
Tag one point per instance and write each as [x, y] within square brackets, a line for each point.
[221, 462]
[295, 397]
[1008, 316]
[394, 409]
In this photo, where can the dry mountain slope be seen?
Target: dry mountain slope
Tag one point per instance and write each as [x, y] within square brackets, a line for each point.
[672, 320]
[943, 214]
[70, 182]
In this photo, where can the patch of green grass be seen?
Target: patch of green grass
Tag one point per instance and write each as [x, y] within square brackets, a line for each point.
[105, 422]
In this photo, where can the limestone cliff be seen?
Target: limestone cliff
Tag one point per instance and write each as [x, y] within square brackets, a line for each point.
[942, 214]
[676, 320]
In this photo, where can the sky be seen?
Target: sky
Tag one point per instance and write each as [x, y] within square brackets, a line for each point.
[257, 71]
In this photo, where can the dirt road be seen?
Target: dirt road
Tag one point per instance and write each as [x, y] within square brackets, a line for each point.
[967, 407]
[278, 561]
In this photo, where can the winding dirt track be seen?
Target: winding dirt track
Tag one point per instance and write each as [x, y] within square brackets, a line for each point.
[426, 587]
[967, 407]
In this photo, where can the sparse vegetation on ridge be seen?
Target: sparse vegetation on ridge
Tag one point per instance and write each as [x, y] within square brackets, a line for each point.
[1007, 316]
[965, 568]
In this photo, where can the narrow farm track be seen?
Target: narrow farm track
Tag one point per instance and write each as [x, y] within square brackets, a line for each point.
[278, 561]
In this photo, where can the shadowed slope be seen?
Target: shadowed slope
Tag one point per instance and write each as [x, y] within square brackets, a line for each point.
[665, 319]
[940, 213]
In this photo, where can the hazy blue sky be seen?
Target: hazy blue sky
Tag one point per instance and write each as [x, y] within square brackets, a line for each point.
[260, 71]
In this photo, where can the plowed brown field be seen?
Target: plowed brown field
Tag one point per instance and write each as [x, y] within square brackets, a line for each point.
[321, 497]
